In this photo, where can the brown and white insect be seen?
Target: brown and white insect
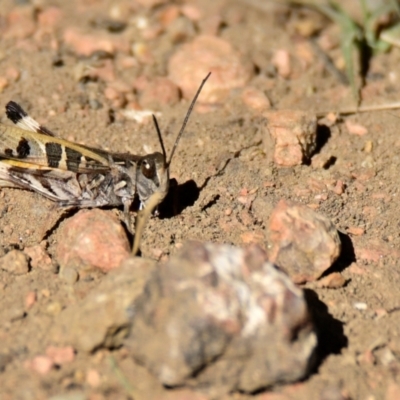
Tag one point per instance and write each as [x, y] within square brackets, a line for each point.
[73, 175]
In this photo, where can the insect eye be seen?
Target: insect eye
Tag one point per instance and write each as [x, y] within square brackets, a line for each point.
[148, 169]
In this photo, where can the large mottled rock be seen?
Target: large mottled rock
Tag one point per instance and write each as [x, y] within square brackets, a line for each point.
[103, 317]
[219, 318]
[304, 243]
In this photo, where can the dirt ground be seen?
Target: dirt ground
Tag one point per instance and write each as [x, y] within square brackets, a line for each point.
[220, 157]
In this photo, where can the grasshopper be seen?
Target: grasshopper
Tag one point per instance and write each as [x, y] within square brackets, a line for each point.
[74, 175]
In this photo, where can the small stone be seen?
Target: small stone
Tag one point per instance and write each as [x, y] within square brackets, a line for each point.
[41, 364]
[3, 83]
[86, 44]
[159, 92]
[392, 391]
[368, 147]
[332, 281]
[255, 99]
[320, 161]
[39, 257]
[355, 230]
[304, 243]
[194, 60]
[20, 23]
[339, 187]
[360, 305]
[294, 133]
[30, 299]
[281, 61]
[92, 239]
[60, 355]
[93, 378]
[70, 275]
[356, 129]
[49, 18]
[15, 262]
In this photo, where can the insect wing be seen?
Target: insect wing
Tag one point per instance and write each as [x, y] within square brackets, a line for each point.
[44, 150]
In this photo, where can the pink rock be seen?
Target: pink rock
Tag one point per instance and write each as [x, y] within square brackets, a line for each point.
[60, 355]
[192, 62]
[255, 99]
[393, 391]
[49, 18]
[159, 92]
[93, 238]
[335, 280]
[281, 61]
[3, 83]
[93, 378]
[39, 257]
[30, 299]
[20, 23]
[294, 133]
[86, 44]
[303, 242]
[41, 364]
[356, 129]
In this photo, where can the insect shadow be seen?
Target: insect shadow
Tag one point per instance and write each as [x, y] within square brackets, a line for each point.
[179, 197]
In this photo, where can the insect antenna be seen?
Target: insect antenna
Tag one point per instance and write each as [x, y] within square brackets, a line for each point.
[187, 117]
[156, 198]
[185, 121]
[159, 136]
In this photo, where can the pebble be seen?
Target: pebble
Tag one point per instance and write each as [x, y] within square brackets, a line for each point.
[392, 391]
[294, 133]
[359, 305]
[3, 83]
[69, 274]
[190, 64]
[304, 243]
[255, 99]
[159, 92]
[49, 18]
[20, 23]
[60, 355]
[355, 230]
[92, 239]
[281, 61]
[41, 364]
[15, 262]
[334, 280]
[39, 257]
[93, 378]
[86, 44]
[356, 129]
[30, 299]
